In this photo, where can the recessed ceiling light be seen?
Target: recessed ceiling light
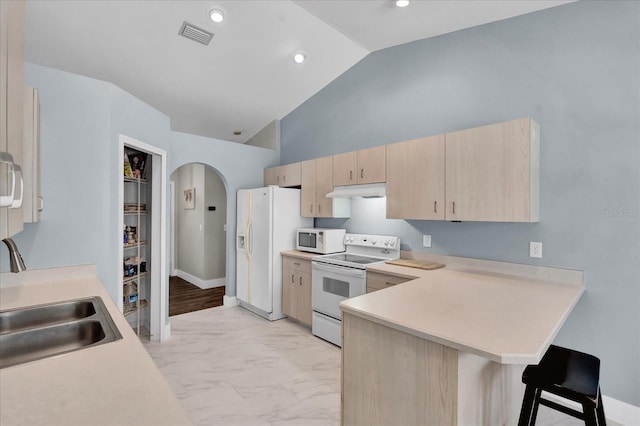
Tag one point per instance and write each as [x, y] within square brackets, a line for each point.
[237, 132]
[299, 57]
[216, 15]
[402, 3]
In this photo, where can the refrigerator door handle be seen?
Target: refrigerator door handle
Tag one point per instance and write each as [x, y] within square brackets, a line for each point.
[250, 238]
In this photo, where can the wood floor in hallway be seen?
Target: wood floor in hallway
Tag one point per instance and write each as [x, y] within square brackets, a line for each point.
[185, 297]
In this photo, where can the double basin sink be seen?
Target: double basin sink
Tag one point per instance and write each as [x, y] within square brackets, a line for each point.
[36, 332]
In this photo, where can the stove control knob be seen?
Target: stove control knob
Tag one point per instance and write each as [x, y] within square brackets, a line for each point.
[393, 243]
[386, 242]
[374, 242]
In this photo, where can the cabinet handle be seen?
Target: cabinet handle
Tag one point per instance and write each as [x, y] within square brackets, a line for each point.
[361, 173]
[310, 208]
[296, 263]
[435, 207]
[40, 203]
[292, 279]
[284, 178]
[454, 208]
[388, 283]
[278, 179]
[350, 174]
[300, 280]
[319, 208]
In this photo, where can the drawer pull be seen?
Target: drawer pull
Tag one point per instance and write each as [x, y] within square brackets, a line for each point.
[435, 207]
[292, 279]
[388, 283]
[454, 208]
[296, 263]
[300, 280]
[361, 173]
[350, 174]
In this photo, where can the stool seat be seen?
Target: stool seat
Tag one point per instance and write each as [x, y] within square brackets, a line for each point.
[567, 373]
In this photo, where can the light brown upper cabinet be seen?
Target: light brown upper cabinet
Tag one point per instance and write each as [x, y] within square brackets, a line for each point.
[317, 182]
[416, 179]
[11, 113]
[360, 167]
[285, 176]
[492, 172]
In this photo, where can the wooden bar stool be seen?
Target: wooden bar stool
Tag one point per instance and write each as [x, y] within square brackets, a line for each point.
[567, 373]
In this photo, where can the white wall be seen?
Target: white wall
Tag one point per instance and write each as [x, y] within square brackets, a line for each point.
[214, 222]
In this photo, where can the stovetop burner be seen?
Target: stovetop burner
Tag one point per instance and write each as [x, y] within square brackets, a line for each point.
[363, 250]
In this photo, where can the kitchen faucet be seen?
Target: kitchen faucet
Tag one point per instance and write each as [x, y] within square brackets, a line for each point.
[15, 259]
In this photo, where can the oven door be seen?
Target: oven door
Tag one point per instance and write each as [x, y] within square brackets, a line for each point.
[331, 284]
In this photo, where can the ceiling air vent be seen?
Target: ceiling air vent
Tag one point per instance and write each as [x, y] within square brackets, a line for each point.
[196, 34]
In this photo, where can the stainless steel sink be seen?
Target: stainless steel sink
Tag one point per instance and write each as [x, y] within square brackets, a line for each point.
[37, 332]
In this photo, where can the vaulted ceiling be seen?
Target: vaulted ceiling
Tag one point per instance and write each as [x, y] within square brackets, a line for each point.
[245, 77]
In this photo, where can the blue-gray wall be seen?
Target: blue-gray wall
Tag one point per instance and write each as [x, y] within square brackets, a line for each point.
[576, 70]
[81, 119]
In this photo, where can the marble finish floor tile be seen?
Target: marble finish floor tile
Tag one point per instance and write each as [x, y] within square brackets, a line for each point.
[228, 366]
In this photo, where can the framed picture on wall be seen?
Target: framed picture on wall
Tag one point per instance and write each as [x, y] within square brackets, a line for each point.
[190, 199]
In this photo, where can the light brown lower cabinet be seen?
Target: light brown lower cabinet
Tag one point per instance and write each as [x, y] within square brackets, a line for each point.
[394, 378]
[378, 281]
[296, 288]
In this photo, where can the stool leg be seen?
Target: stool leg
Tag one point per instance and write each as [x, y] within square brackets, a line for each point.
[536, 404]
[589, 411]
[602, 421]
[527, 406]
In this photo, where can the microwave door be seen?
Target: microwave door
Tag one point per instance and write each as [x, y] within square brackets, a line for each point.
[307, 239]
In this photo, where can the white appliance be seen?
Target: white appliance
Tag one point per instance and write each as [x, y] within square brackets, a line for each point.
[337, 277]
[320, 240]
[267, 220]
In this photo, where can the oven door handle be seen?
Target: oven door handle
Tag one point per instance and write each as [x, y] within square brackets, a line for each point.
[339, 269]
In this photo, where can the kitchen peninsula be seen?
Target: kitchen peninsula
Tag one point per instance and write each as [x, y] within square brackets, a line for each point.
[449, 346]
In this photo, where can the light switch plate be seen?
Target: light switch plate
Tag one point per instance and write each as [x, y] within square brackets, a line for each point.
[535, 249]
[426, 240]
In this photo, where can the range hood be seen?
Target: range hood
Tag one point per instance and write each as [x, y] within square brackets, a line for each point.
[372, 190]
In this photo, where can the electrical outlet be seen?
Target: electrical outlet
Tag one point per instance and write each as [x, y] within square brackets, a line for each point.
[426, 240]
[535, 249]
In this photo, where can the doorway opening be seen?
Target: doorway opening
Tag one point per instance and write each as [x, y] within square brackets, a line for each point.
[198, 236]
[142, 236]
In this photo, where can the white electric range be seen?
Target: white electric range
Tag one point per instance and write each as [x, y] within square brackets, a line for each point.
[340, 276]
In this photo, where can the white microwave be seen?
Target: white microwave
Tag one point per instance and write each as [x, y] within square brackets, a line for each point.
[320, 240]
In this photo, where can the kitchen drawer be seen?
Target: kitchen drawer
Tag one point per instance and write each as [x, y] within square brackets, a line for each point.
[378, 281]
[296, 264]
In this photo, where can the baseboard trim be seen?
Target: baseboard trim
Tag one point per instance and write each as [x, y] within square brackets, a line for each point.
[615, 410]
[203, 284]
[229, 301]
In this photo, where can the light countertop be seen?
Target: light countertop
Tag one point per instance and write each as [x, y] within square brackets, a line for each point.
[299, 254]
[506, 318]
[115, 383]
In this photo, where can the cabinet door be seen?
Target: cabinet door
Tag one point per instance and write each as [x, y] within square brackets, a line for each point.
[32, 202]
[324, 185]
[344, 169]
[271, 176]
[304, 297]
[290, 175]
[289, 292]
[372, 165]
[378, 281]
[308, 205]
[11, 98]
[492, 173]
[416, 179]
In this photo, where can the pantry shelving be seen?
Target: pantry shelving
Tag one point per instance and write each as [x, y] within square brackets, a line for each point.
[135, 239]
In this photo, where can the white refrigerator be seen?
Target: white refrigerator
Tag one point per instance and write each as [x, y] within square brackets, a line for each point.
[266, 225]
